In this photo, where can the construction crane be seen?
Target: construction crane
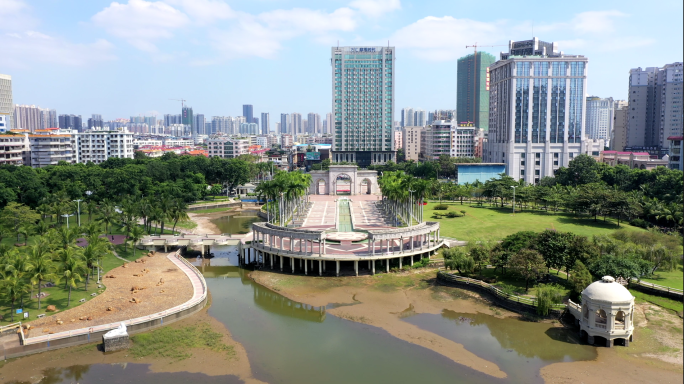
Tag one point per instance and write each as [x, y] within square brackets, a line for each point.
[182, 102]
[476, 92]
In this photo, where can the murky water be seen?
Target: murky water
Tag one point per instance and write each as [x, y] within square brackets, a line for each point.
[124, 374]
[290, 342]
[236, 224]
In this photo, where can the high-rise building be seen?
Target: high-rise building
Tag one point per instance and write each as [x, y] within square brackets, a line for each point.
[411, 142]
[172, 119]
[327, 126]
[49, 118]
[188, 119]
[70, 122]
[28, 117]
[536, 110]
[314, 123]
[95, 122]
[600, 118]
[248, 112]
[6, 102]
[436, 139]
[407, 117]
[655, 106]
[199, 124]
[249, 129]
[420, 119]
[265, 123]
[363, 102]
[97, 146]
[618, 139]
[284, 123]
[296, 124]
[472, 89]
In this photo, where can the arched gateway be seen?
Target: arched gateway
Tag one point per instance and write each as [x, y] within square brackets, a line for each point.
[344, 180]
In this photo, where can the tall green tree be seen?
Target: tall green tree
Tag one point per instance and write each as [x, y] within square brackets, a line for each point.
[529, 265]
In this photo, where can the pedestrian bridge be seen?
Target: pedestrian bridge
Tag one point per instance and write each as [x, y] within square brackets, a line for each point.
[185, 240]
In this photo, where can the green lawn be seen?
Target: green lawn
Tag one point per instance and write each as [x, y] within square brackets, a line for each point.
[664, 302]
[497, 223]
[672, 279]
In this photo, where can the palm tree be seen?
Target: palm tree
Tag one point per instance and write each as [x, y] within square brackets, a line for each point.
[71, 272]
[42, 266]
[135, 235]
[107, 216]
[178, 213]
[13, 287]
[65, 257]
[91, 255]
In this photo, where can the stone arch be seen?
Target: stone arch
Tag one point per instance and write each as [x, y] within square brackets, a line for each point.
[344, 184]
[600, 318]
[620, 318]
[321, 187]
[365, 187]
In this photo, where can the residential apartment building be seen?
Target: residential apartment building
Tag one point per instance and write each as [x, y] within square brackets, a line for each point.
[70, 122]
[411, 142]
[618, 138]
[248, 113]
[12, 147]
[97, 146]
[600, 118]
[398, 139]
[408, 117]
[265, 123]
[536, 109]
[655, 106]
[436, 139]
[6, 102]
[50, 146]
[472, 89]
[296, 124]
[363, 103]
[676, 152]
[463, 139]
[28, 117]
[227, 148]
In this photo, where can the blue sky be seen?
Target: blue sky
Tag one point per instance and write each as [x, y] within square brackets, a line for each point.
[130, 57]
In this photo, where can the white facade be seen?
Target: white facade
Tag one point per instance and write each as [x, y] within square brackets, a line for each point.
[98, 146]
[227, 148]
[600, 118]
[607, 312]
[411, 142]
[536, 113]
[463, 141]
[12, 147]
[51, 148]
[6, 103]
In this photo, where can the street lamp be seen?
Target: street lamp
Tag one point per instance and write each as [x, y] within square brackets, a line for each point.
[78, 203]
[512, 186]
[67, 218]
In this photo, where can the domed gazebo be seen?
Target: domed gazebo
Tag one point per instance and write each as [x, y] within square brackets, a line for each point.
[607, 311]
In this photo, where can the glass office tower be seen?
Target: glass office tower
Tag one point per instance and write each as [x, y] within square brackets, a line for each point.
[363, 105]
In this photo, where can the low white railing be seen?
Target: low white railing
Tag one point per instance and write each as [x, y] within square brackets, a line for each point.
[159, 315]
[659, 287]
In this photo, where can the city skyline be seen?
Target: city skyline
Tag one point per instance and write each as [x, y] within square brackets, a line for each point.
[86, 47]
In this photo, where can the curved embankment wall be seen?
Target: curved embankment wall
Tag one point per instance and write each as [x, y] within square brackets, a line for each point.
[49, 342]
[511, 302]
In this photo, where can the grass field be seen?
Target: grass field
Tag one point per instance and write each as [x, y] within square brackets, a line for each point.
[497, 223]
[672, 279]
[664, 302]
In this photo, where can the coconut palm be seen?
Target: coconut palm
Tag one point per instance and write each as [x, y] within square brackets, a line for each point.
[135, 235]
[107, 215]
[13, 288]
[66, 256]
[72, 271]
[42, 266]
[178, 213]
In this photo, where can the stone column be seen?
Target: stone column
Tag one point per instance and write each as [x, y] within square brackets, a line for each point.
[281, 263]
[337, 267]
[411, 260]
[306, 268]
[609, 343]
[387, 265]
[356, 267]
[400, 266]
[412, 243]
[373, 267]
[401, 244]
[320, 245]
[271, 259]
[292, 261]
[590, 340]
[320, 268]
[372, 247]
[291, 243]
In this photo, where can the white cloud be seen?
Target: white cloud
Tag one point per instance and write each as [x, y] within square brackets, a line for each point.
[205, 11]
[140, 22]
[20, 48]
[596, 21]
[14, 15]
[300, 20]
[445, 38]
[375, 8]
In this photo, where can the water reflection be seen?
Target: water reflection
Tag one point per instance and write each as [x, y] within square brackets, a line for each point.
[237, 224]
[520, 348]
[125, 373]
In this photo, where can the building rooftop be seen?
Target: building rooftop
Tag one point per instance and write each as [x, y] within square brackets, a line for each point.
[608, 290]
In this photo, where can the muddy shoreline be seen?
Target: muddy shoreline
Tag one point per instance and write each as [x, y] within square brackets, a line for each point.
[204, 361]
[380, 307]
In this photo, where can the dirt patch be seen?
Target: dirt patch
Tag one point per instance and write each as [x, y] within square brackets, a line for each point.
[379, 300]
[201, 360]
[137, 289]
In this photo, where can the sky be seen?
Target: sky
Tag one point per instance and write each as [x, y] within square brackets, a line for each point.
[129, 58]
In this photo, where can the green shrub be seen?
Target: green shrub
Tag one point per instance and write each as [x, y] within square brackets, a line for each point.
[463, 212]
[441, 207]
[451, 215]
[547, 295]
[641, 223]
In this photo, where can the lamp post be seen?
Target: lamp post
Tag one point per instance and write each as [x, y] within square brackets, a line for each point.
[67, 218]
[78, 203]
[512, 186]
